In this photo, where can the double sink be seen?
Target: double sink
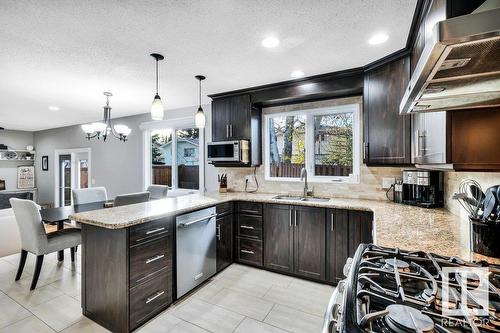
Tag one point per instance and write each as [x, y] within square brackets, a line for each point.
[299, 198]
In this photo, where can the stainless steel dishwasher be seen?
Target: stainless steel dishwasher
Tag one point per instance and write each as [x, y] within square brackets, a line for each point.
[196, 261]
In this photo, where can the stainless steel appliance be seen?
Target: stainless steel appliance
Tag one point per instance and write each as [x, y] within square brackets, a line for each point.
[229, 152]
[195, 244]
[430, 189]
[459, 67]
[398, 191]
[391, 290]
[409, 187]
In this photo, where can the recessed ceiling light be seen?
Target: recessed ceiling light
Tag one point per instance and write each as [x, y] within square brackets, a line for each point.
[378, 39]
[297, 73]
[270, 42]
[54, 108]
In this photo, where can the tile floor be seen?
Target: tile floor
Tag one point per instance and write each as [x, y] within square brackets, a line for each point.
[239, 299]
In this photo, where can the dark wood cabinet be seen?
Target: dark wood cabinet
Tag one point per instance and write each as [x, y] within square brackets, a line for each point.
[309, 242]
[224, 247]
[346, 229]
[294, 240]
[337, 247]
[231, 118]
[236, 118]
[387, 134]
[278, 238]
[249, 234]
[127, 273]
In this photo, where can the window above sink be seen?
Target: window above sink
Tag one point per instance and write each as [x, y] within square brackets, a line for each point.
[325, 141]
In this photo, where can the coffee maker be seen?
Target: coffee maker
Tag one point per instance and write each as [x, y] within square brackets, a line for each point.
[429, 189]
[409, 187]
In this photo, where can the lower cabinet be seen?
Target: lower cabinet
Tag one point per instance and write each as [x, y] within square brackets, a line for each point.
[278, 238]
[127, 273]
[248, 224]
[346, 229]
[224, 225]
[294, 240]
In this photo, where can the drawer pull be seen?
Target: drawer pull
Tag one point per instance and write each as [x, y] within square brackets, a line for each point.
[250, 211]
[246, 227]
[154, 231]
[152, 298]
[150, 260]
[218, 232]
[246, 251]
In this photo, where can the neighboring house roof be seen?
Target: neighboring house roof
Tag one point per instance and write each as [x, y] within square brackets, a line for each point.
[194, 142]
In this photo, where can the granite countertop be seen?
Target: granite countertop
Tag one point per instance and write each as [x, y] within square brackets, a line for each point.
[395, 225]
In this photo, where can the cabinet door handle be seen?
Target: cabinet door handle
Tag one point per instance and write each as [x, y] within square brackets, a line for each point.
[250, 211]
[332, 223]
[246, 251]
[246, 227]
[295, 216]
[231, 129]
[150, 260]
[290, 217]
[152, 298]
[154, 231]
[218, 232]
[227, 131]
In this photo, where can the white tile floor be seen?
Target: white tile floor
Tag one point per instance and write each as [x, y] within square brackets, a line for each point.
[240, 299]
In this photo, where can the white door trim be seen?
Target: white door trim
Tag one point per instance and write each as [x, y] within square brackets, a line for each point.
[72, 152]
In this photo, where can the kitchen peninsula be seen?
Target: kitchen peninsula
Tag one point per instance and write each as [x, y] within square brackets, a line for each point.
[132, 247]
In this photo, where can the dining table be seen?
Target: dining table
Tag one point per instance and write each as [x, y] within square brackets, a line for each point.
[60, 215]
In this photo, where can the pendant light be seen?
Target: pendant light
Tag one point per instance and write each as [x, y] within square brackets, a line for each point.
[199, 118]
[157, 106]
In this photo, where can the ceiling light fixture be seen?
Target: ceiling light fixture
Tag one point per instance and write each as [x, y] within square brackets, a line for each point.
[157, 110]
[378, 39]
[199, 118]
[54, 108]
[270, 42]
[297, 73]
[104, 128]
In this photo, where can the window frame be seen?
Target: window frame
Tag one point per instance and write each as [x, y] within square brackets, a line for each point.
[309, 114]
[174, 125]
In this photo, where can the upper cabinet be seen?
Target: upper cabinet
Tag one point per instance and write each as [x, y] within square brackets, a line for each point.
[231, 118]
[387, 139]
[235, 117]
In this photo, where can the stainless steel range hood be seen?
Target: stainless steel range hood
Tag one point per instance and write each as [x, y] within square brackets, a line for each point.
[460, 65]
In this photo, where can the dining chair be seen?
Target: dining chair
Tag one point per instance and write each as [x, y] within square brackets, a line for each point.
[157, 191]
[35, 240]
[131, 198]
[88, 195]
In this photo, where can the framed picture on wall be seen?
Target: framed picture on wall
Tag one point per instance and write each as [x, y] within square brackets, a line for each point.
[26, 176]
[45, 163]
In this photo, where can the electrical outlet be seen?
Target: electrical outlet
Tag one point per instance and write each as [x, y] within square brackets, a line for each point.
[248, 179]
[93, 181]
[388, 181]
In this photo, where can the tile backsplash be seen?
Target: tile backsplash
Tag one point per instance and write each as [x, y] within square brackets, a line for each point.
[452, 181]
[370, 186]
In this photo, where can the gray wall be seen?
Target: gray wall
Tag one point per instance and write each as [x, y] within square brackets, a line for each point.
[115, 165]
[16, 140]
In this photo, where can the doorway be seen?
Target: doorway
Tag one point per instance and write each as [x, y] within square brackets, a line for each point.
[71, 171]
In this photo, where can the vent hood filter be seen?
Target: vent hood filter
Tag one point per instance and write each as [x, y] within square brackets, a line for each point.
[459, 67]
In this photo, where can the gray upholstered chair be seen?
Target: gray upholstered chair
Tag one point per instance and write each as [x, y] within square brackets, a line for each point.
[131, 198]
[158, 191]
[88, 195]
[35, 240]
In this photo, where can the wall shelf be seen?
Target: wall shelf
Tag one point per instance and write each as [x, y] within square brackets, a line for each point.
[17, 155]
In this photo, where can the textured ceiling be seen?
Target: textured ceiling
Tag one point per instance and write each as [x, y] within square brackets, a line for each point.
[66, 53]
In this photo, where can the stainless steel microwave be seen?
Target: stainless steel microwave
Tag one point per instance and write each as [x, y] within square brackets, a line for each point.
[229, 151]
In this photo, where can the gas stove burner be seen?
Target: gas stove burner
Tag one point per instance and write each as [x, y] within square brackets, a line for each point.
[402, 318]
[400, 265]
